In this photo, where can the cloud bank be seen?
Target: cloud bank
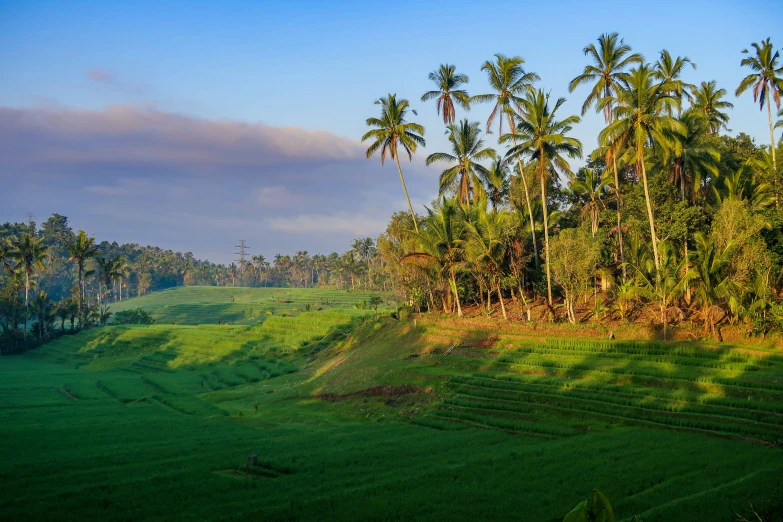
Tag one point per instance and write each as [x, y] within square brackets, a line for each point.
[154, 177]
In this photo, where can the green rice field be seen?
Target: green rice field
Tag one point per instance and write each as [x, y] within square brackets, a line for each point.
[355, 415]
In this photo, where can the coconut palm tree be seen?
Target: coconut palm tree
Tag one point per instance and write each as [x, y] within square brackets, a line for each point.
[5, 256]
[509, 83]
[29, 253]
[467, 150]
[742, 185]
[668, 70]
[497, 182]
[540, 134]
[714, 287]
[767, 82]
[707, 100]
[591, 188]
[692, 156]
[109, 269]
[610, 60]
[484, 246]
[440, 244]
[390, 132]
[640, 116]
[81, 247]
[448, 81]
[43, 310]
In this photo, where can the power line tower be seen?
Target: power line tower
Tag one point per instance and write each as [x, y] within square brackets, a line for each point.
[31, 222]
[241, 260]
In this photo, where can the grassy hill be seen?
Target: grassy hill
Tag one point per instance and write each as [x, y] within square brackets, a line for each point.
[355, 415]
[236, 305]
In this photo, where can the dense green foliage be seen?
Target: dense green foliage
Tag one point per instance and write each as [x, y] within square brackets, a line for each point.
[685, 223]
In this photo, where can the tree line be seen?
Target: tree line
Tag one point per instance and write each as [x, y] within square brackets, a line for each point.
[52, 277]
[669, 214]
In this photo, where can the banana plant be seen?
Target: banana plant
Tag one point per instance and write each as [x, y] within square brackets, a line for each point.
[596, 508]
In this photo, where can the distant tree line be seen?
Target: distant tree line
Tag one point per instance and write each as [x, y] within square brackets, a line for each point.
[55, 281]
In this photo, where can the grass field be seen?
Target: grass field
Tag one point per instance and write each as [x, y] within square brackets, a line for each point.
[194, 305]
[355, 415]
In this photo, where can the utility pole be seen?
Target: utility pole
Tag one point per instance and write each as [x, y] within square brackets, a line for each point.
[241, 260]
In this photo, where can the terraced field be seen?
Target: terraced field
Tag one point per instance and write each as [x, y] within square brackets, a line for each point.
[193, 305]
[558, 387]
[356, 416]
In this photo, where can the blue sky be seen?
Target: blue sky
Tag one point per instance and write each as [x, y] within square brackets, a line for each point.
[310, 65]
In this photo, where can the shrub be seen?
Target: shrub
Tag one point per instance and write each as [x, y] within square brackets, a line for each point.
[135, 316]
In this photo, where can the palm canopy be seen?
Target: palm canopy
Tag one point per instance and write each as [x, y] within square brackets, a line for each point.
[509, 83]
[610, 59]
[448, 82]
[640, 113]
[589, 185]
[669, 69]
[767, 76]
[497, 182]
[467, 150]
[541, 135]
[691, 154]
[708, 101]
[28, 252]
[391, 130]
[81, 247]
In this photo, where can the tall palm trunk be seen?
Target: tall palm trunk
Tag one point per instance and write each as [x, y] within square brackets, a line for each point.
[81, 293]
[456, 294]
[609, 118]
[405, 189]
[527, 200]
[772, 142]
[546, 229]
[26, 292]
[500, 297]
[649, 211]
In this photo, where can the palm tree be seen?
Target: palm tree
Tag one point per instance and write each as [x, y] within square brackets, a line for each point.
[541, 135]
[440, 244]
[668, 71]
[665, 282]
[591, 188]
[715, 286]
[62, 313]
[390, 132]
[109, 269]
[707, 100]
[610, 60]
[468, 149]
[5, 256]
[497, 183]
[81, 247]
[691, 154]
[767, 82]
[640, 117]
[29, 253]
[509, 83]
[448, 91]
[484, 245]
[42, 308]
